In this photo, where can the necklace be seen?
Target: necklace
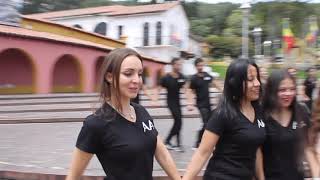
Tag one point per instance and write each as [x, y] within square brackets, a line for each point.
[130, 114]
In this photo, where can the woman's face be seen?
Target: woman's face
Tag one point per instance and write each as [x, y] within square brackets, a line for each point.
[130, 78]
[286, 93]
[253, 85]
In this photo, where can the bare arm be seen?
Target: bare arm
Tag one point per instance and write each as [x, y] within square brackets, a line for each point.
[80, 160]
[313, 161]
[189, 93]
[165, 160]
[259, 165]
[215, 84]
[202, 154]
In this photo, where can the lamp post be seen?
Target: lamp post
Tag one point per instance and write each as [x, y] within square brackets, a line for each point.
[257, 41]
[267, 48]
[245, 7]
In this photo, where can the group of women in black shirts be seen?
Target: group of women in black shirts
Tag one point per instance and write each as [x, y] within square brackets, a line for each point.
[247, 136]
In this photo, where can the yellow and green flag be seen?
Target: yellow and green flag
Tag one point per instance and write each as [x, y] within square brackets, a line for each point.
[287, 35]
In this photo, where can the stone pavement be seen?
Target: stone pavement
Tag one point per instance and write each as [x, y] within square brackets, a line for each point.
[46, 148]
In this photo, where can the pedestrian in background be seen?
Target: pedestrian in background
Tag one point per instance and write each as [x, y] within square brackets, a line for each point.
[309, 85]
[200, 84]
[173, 82]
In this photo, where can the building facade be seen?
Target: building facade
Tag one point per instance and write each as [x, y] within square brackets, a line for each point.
[159, 31]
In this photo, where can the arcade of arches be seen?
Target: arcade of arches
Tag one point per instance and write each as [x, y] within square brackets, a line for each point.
[22, 73]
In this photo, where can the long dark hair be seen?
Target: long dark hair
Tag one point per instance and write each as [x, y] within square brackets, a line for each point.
[112, 64]
[315, 121]
[270, 98]
[235, 87]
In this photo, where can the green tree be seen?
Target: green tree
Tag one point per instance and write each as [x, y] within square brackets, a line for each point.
[201, 27]
[234, 23]
[37, 6]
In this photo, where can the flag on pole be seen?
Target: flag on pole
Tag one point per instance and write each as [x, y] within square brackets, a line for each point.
[287, 36]
[313, 31]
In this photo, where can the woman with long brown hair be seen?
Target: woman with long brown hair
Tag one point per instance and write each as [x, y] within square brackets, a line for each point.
[120, 133]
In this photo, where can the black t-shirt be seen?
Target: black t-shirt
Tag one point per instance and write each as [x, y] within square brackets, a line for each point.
[136, 99]
[310, 85]
[282, 150]
[125, 149]
[173, 86]
[201, 85]
[235, 153]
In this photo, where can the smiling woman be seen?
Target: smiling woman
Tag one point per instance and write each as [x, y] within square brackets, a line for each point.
[121, 133]
[235, 129]
[286, 126]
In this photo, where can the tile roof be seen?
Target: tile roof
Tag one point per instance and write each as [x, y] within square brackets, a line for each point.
[72, 28]
[117, 10]
[27, 33]
[22, 32]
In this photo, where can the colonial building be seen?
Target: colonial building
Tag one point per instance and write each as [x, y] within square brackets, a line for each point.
[160, 31]
[38, 56]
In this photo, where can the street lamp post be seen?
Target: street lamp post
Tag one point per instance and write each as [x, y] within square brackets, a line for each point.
[257, 41]
[267, 48]
[245, 28]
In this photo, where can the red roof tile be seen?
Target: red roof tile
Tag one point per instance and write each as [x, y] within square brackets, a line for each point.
[27, 33]
[22, 32]
[71, 27]
[116, 10]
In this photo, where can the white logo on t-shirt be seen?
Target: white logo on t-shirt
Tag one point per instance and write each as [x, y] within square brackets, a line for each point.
[260, 123]
[180, 80]
[294, 125]
[149, 128]
[207, 78]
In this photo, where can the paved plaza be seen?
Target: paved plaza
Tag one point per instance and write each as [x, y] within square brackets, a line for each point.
[47, 147]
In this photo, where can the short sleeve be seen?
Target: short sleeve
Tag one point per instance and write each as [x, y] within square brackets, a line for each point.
[146, 118]
[216, 123]
[155, 131]
[163, 81]
[305, 83]
[212, 78]
[88, 138]
[193, 83]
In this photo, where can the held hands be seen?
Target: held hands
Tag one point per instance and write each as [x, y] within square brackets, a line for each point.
[190, 107]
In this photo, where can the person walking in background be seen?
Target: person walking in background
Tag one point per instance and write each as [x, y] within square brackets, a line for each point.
[200, 84]
[293, 71]
[120, 133]
[173, 82]
[313, 146]
[286, 126]
[235, 128]
[309, 85]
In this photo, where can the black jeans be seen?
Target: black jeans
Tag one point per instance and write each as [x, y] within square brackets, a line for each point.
[177, 123]
[205, 113]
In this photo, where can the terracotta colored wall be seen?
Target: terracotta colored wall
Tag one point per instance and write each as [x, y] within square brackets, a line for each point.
[66, 71]
[13, 60]
[45, 54]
